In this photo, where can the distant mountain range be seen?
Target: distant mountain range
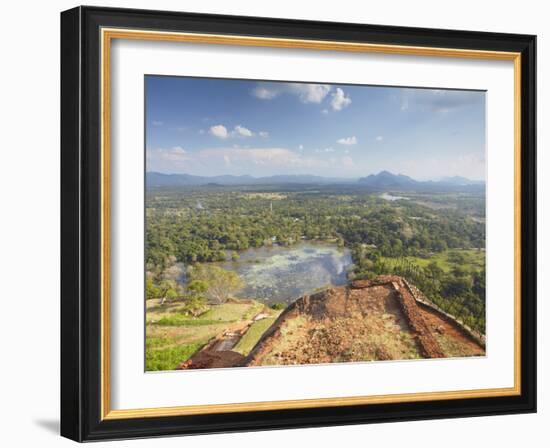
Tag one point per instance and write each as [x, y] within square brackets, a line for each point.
[458, 180]
[384, 180]
[154, 179]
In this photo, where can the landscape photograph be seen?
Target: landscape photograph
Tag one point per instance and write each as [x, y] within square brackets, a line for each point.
[292, 223]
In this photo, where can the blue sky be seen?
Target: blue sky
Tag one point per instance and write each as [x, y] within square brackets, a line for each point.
[211, 126]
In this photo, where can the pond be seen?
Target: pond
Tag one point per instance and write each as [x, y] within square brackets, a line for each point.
[391, 197]
[283, 274]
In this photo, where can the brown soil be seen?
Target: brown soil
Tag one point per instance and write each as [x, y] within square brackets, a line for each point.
[361, 323]
[207, 359]
[454, 341]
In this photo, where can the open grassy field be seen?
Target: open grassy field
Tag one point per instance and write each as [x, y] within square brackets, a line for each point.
[233, 311]
[446, 260]
[168, 357]
[173, 337]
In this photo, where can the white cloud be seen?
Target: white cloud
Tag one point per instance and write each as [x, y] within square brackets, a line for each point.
[339, 99]
[263, 134]
[347, 140]
[307, 93]
[301, 147]
[157, 123]
[174, 154]
[379, 138]
[219, 131]
[255, 161]
[239, 131]
[242, 131]
[310, 93]
[265, 93]
[268, 157]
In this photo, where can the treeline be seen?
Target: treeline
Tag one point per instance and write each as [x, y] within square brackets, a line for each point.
[206, 284]
[204, 226]
[460, 292]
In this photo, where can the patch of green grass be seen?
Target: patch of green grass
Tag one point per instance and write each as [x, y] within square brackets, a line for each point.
[472, 258]
[157, 341]
[180, 320]
[229, 312]
[173, 337]
[253, 335]
[255, 309]
[278, 306]
[169, 358]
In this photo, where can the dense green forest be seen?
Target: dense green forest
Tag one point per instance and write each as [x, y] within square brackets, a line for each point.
[406, 237]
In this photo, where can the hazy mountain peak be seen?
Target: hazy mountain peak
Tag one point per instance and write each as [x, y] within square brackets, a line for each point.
[384, 180]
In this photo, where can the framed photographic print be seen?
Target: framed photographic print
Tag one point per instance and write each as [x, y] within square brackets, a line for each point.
[276, 224]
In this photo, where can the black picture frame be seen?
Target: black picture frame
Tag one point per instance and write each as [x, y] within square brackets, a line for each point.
[81, 224]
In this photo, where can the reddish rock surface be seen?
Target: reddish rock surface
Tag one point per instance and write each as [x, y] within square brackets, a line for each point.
[208, 359]
[380, 319]
[427, 343]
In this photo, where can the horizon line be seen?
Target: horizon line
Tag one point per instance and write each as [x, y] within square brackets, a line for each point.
[318, 175]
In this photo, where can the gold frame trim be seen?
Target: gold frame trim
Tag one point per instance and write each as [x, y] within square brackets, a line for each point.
[107, 35]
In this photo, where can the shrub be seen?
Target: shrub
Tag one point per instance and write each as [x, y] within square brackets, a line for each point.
[278, 306]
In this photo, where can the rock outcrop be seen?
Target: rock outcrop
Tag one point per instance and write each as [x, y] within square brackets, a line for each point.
[368, 320]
